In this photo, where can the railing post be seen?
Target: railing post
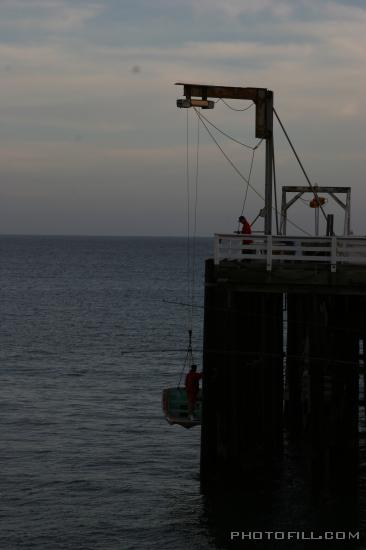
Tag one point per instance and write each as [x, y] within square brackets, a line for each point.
[269, 252]
[333, 254]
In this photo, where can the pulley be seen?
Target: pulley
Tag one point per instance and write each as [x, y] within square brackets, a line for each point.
[317, 202]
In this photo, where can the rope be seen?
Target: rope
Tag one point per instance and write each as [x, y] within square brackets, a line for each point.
[304, 201]
[188, 359]
[249, 176]
[229, 136]
[226, 156]
[191, 248]
[257, 216]
[253, 149]
[233, 108]
[241, 175]
[300, 163]
[195, 224]
[188, 213]
[275, 186]
[181, 304]
[189, 289]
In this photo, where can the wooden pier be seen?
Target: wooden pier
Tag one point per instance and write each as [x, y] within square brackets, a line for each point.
[284, 334]
[284, 329]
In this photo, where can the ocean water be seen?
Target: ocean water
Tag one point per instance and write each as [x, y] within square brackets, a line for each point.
[92, 329]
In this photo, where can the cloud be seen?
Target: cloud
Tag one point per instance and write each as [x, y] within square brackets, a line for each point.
[52, 16]
[75, 108]
[235, 8]
[321, 71]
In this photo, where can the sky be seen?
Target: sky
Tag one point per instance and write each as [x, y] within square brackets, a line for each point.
[91, 140]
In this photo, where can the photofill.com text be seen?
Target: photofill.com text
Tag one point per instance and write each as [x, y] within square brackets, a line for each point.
[294, 535]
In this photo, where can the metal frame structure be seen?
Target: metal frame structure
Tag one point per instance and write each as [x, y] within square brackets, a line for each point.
[332, 191]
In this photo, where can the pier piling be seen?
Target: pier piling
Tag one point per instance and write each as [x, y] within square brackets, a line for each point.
[271, 370]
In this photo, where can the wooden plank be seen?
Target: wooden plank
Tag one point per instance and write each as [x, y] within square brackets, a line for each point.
[318, 189]
[225, 92]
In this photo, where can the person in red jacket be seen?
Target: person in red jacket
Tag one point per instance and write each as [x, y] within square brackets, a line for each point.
[192, 388]
[246, 229]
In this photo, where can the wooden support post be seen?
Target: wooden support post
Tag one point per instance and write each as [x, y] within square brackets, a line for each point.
[242, 383]
[317, 432]
[344, 413]
[242, 421]
[297, 376]
[269, 164]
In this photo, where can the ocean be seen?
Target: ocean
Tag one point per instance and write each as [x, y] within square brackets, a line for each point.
[92, 330]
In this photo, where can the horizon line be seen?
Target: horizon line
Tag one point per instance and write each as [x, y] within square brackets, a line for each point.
[87, 235]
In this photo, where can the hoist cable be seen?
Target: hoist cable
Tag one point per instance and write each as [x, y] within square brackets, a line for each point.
[229, 136]
[188, 358]
[249, 176]
[300, 164]
[255, 219]
[275, 185]
[188, 211]
[188, 185]
[195, 223]
[191, 247]
[233, 108]
[187, 362]
[241, 175]
[225, 155]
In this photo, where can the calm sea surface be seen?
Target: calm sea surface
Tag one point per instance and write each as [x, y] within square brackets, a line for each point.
[92, 329]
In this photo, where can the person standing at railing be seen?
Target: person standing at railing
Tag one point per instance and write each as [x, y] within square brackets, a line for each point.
[245, 229]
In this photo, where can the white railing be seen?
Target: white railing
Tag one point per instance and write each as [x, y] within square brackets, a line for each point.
[270, 249]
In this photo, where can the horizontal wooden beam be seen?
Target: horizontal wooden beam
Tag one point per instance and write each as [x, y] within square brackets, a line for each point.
[317, 188]
[260, 96]
[225, 92]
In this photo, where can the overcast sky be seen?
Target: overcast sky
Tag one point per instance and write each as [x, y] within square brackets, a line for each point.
[91, 141]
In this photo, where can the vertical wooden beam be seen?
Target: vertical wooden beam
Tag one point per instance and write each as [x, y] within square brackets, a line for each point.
[214, 362]
[317, 433]
[297, 396]
[269, 164]
[243, 382]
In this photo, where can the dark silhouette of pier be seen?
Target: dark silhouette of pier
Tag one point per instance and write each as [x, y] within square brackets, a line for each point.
[283, 355]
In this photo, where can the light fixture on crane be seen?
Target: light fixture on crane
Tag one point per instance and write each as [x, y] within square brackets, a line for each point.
[188, 102]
